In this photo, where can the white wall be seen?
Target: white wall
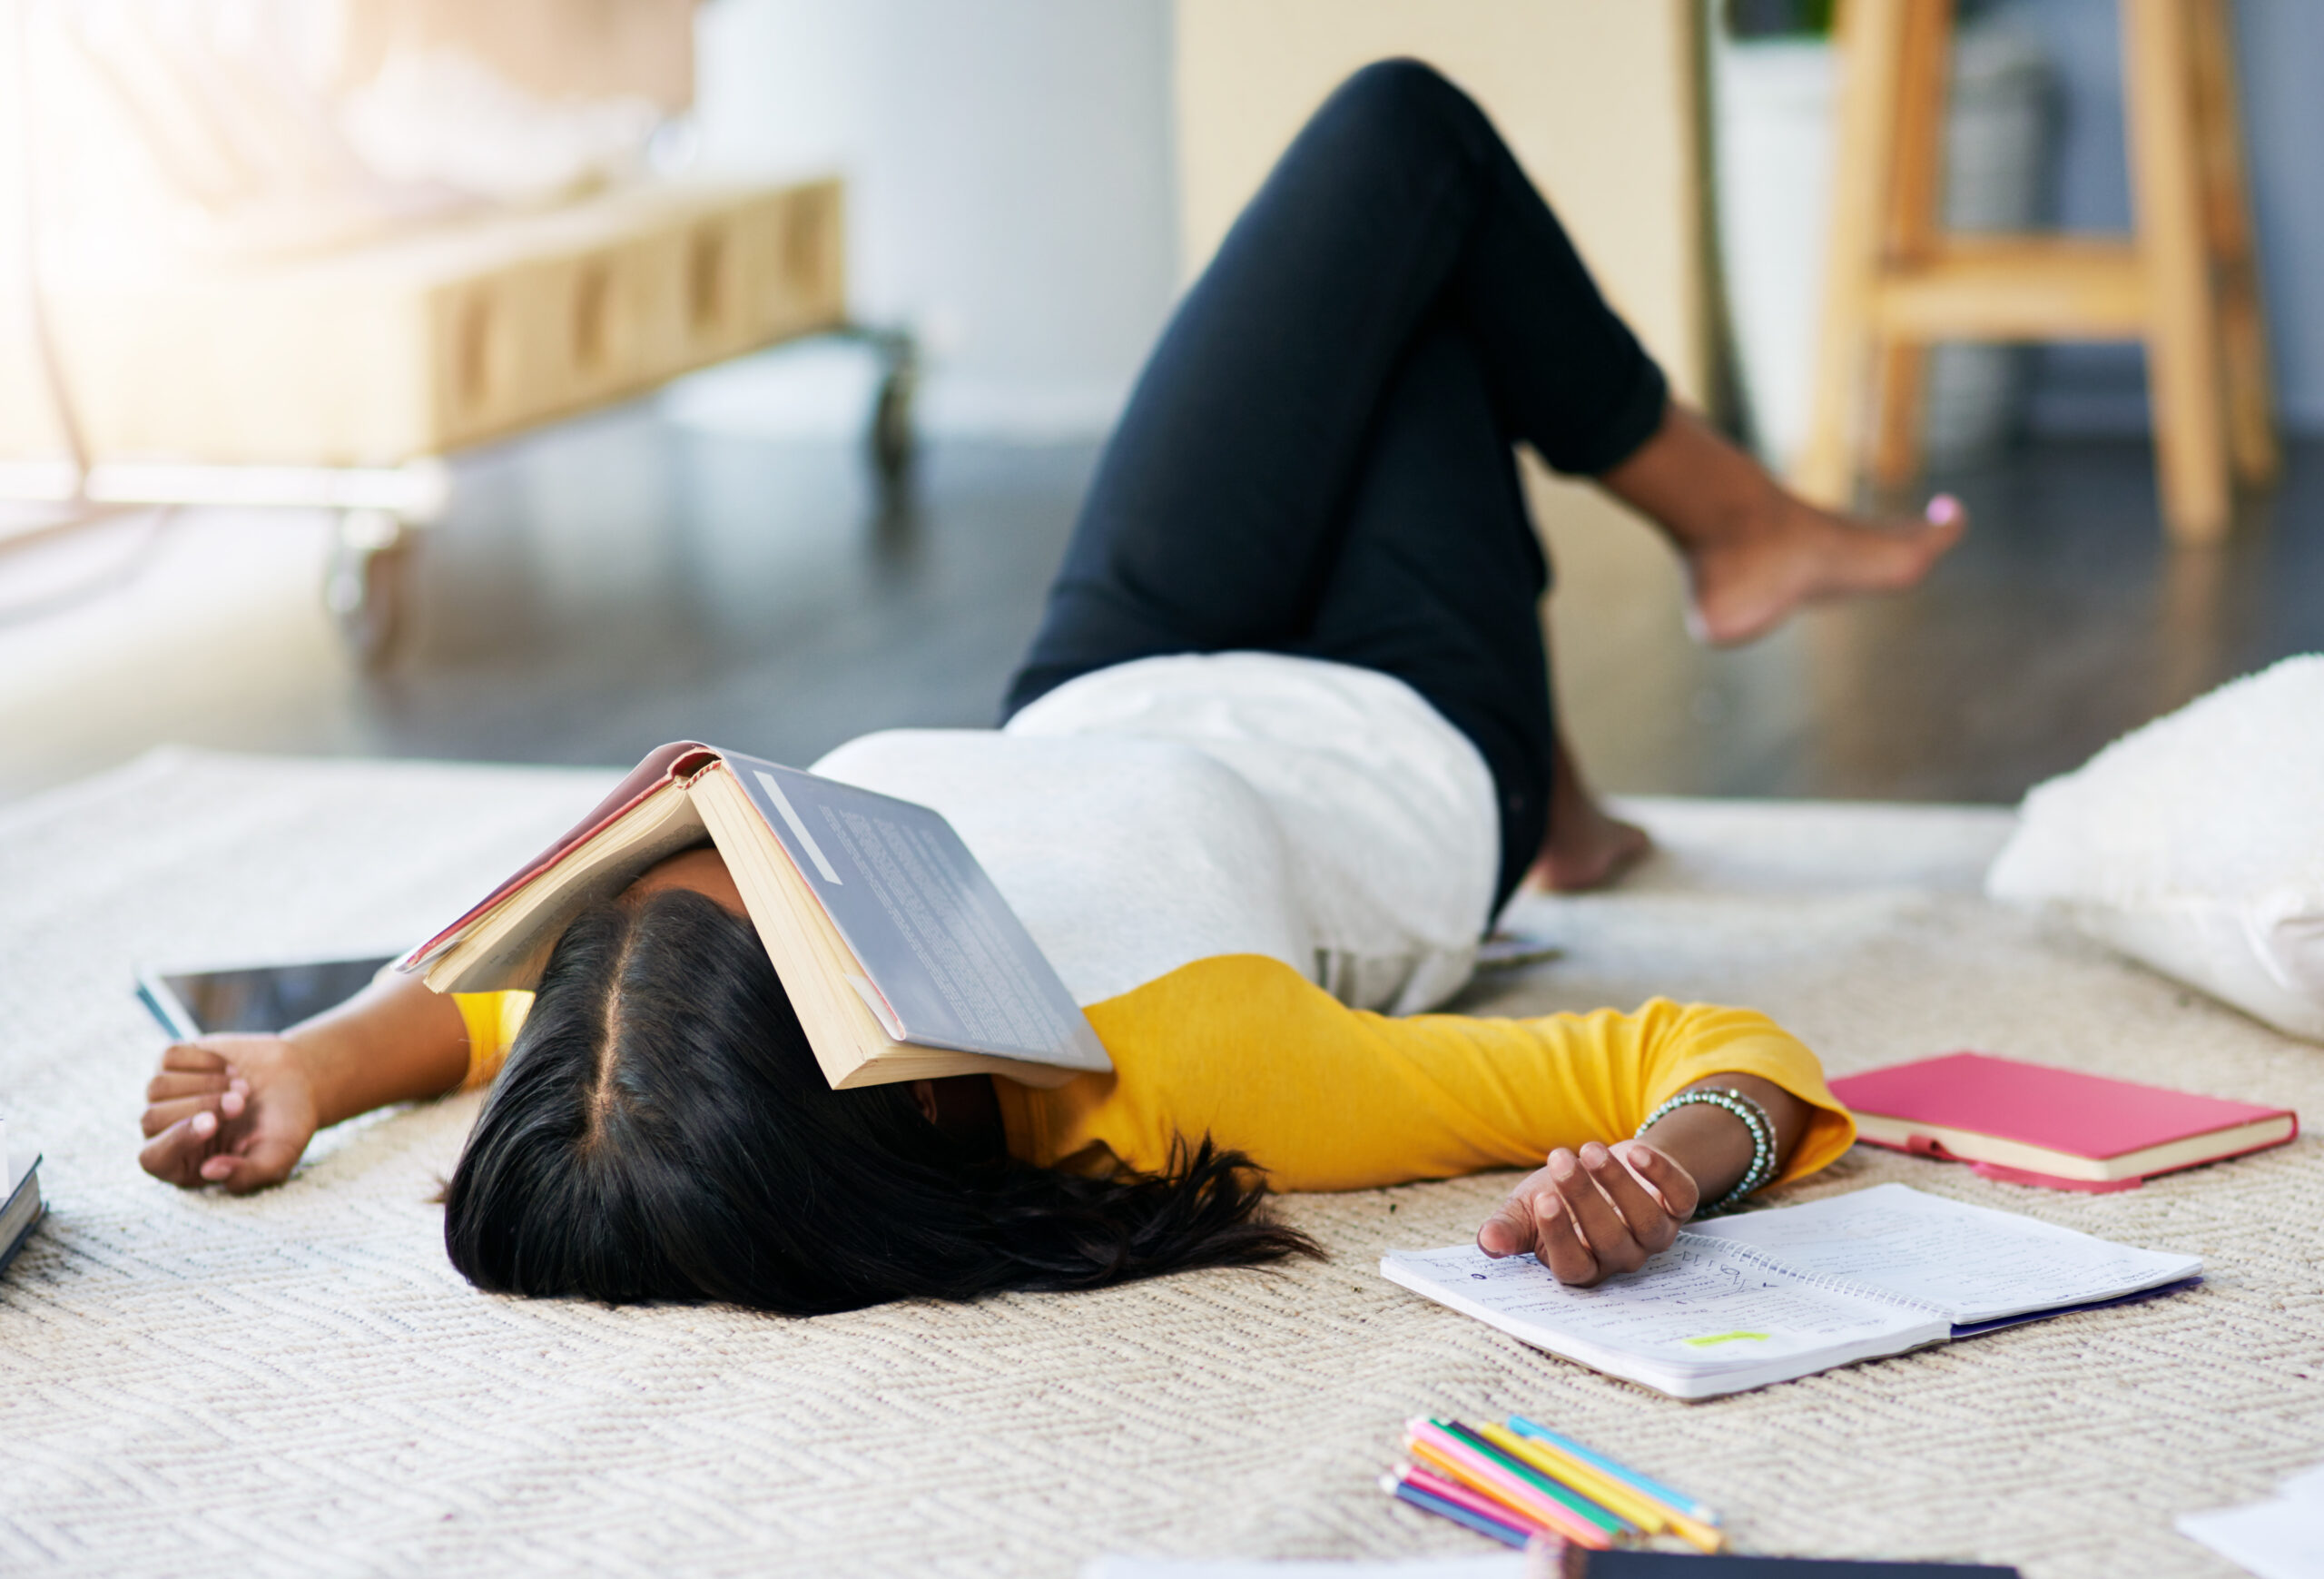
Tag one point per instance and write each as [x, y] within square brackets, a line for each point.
[1009, 186]
[2280, 50]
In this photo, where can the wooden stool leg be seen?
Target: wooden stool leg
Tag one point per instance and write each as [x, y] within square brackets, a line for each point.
[1915, 190]
[1871, 50]
[2182, 346]
[1899, 397]
[2227, 205]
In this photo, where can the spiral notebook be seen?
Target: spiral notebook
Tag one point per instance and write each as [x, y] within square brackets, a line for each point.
[1743, 1301]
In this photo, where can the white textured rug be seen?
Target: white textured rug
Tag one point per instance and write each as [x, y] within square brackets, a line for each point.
[298, 1382]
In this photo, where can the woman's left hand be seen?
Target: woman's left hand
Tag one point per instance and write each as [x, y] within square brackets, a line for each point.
[232, 1110]
[1591, 1214]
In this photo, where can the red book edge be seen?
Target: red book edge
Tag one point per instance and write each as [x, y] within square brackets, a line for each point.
[680, 761]
[1923, 1146]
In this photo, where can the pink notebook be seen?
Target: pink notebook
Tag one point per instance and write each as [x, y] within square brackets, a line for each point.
[2028, 1123]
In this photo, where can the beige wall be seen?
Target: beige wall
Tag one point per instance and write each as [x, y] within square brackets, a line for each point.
[1596, 97]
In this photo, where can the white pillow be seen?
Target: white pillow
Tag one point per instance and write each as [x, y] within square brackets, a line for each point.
[2196, 844]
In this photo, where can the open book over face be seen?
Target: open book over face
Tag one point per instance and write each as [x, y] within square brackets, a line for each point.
[901, 957]
[1743, 1301]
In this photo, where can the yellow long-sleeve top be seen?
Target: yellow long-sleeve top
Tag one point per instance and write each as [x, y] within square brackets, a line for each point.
[1246, 1050]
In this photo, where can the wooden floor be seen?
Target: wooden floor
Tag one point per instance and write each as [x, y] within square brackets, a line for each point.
[624, 582]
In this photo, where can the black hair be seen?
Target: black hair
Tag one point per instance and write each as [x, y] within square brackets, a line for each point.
[663, 1132]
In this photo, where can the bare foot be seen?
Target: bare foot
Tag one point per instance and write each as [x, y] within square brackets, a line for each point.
[1749, 579]
[1755, 551]
[1584, 848]
[1588, 851]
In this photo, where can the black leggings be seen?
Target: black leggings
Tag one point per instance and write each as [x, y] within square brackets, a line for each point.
[1317, 457]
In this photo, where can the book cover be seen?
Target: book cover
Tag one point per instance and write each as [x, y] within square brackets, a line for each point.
[947, 963]
[900, 955]
[21, 1208]
[2040, 1124]
[1581, 1565]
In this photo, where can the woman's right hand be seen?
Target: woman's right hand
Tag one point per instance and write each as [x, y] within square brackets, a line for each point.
[1591, 1214]
[236, 1110]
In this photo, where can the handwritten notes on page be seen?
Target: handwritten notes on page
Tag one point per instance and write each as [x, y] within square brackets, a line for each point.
[1694, 1322]
[1744, 1301]
[1970, 1262]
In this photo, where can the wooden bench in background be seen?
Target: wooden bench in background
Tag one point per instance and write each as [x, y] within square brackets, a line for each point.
[438, 340]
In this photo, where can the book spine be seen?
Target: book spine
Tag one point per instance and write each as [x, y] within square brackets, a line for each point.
[1751, 1255]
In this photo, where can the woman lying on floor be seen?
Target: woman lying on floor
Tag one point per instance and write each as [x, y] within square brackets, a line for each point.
[1281, 751]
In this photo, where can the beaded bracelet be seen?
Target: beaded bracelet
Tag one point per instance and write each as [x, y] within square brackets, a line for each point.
[1755, 1118]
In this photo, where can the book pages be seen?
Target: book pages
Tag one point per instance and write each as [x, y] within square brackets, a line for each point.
[1695, 1321]
[1970, 1262]
[1740, 1302]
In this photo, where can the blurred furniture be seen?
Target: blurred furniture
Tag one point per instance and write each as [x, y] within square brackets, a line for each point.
[441, 336]
[2185, 282]
[1774, 99]
[250, 285]
[339, 381]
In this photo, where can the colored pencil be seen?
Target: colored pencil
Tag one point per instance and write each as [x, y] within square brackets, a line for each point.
[1454, 1491]
[1475, 1502]
[1612, 1523]
[1508, 1534]
[1708, 1539]
[1443, 1451]
[1685, 1517]
[1449, 1455]
[1676, 1502]
[1442, 1463]
[1615, 1497]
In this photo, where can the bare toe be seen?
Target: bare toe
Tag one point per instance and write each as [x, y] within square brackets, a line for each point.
[1588, 853]
[1751, 581]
